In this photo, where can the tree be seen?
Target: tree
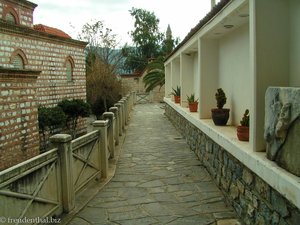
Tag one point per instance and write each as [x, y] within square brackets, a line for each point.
[102, 62]
[50, 119]
[169, 42]
[74, 109]
[103, 87]
[155, 75]
[100, 40]
[146, 38]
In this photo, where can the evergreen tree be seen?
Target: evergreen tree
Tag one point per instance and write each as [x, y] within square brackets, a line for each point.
[168, 43]
[155, 69]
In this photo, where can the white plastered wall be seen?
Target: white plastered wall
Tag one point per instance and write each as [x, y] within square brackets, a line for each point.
[175, 71]
[208, 76]
[168, 80]
[234, 75]
[271, 57]
[294, 47]
[187, 77]
[196, 84]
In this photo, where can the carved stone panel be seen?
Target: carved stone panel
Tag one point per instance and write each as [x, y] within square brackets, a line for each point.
[282, 127]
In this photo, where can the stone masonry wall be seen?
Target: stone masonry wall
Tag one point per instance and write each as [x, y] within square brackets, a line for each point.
[19, 134]
[131, 83]
[47, 54]
[49, 57]
[252, 198]
[24, 11]
[136, 84]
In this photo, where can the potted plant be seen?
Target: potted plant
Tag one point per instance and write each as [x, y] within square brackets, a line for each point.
[243, 129]
[193, 103]
[220, 116]
[176, 92]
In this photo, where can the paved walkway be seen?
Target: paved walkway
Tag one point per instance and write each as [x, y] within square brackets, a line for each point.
[158, 181]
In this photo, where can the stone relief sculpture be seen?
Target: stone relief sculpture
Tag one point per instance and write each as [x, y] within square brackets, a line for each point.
[283, 122]
[281, 130]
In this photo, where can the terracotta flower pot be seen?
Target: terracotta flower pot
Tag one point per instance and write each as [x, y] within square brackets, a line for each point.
[242, 133]
[193, 106]
[177, 99]
[220, 116]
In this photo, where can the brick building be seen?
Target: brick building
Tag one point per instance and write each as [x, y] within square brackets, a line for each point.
[39, 66]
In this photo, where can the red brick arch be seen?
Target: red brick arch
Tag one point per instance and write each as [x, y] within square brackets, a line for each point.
[12, 11]
[69, 74]
[21, 54]
[69, 59]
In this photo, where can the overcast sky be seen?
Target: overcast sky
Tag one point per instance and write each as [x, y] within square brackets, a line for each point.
[181, 15]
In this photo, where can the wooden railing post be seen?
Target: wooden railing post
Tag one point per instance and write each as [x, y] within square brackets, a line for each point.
[101, 125]
[111, 132]
[115, 110]
[63, 143]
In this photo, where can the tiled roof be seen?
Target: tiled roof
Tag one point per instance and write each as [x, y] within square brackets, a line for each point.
[214, 11]
[51, 30]
[134, 74]
[40, 35]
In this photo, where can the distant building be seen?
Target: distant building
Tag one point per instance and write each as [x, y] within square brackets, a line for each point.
[39, 66]
[134, 82]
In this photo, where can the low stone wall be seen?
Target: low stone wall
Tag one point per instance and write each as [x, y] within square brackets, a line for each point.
[253, 199]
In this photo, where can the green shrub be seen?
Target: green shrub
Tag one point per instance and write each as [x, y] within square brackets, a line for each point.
[100, 106]
[49, 120]
[74, 109]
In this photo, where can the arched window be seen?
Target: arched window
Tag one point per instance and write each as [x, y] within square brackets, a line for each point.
[69, 64]
[10, 15]
[18, 59]
[69, 71]
[10, 18]
[18, 62]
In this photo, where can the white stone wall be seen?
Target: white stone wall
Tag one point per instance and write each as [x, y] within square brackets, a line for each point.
[234, 72]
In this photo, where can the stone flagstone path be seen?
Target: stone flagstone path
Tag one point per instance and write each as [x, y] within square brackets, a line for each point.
[158, 181]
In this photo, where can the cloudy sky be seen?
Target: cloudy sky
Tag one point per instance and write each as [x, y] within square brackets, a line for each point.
[69, 16]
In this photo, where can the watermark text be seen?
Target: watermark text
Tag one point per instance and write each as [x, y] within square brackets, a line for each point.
[8, 220]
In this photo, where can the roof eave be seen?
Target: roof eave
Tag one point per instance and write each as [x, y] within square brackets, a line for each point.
[19, 29]
[209, 16]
